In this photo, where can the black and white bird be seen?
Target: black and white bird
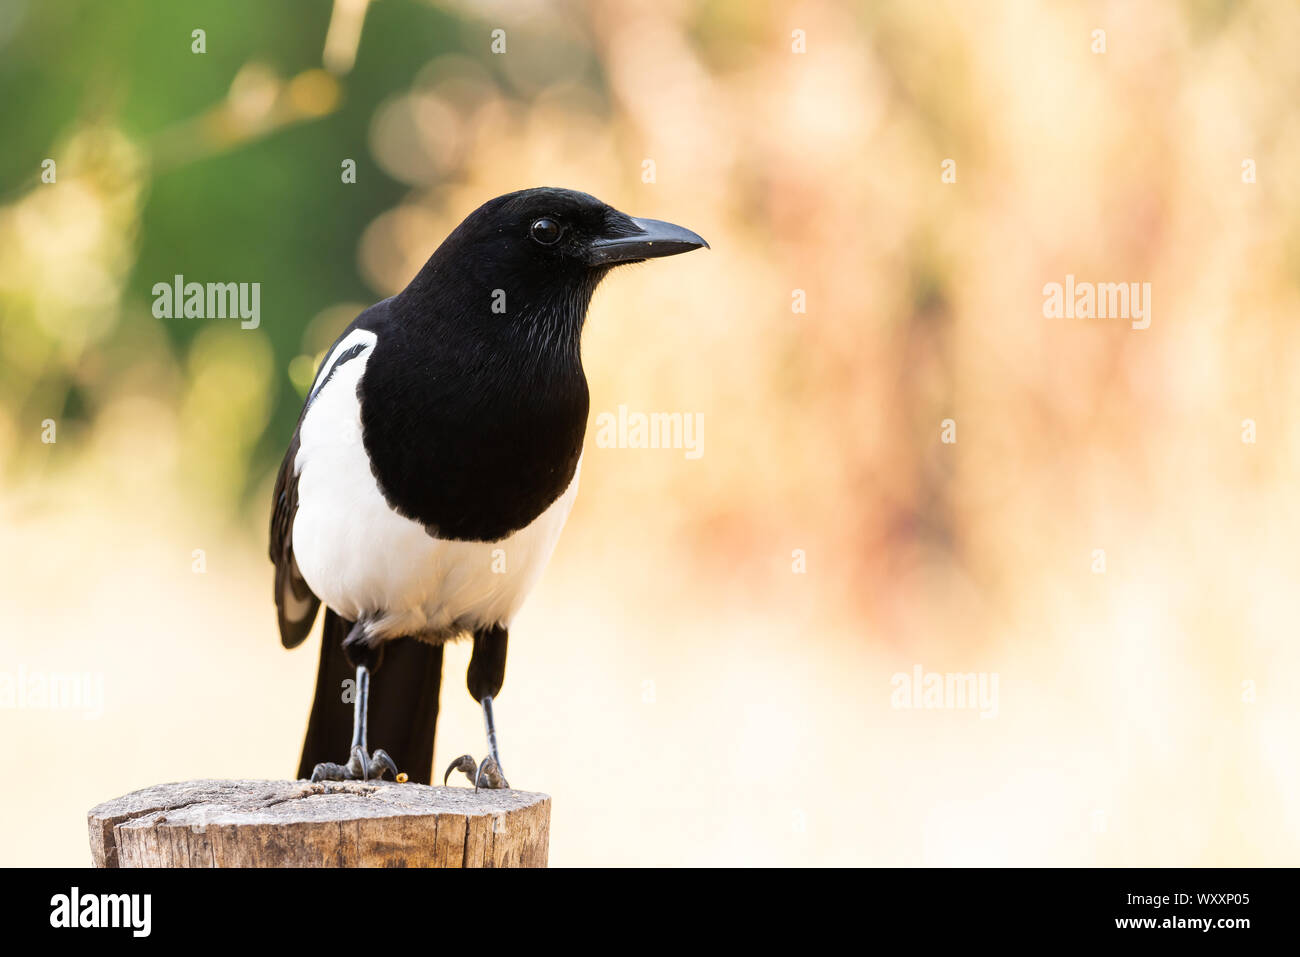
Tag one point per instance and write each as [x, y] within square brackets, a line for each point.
[434, 464]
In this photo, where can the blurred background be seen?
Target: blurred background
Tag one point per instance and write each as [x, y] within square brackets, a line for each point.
[706, 673]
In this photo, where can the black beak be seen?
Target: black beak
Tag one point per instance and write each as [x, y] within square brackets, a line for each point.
[653, 238]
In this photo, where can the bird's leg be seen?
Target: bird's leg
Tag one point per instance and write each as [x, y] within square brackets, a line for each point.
[487, 672]
[487, 774]
[361, 766]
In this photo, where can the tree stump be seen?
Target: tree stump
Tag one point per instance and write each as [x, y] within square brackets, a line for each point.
[330, 824]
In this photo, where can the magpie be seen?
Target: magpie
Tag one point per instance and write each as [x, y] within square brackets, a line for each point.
[433, 466]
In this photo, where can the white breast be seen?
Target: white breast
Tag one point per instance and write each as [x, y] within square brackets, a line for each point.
[365, 561]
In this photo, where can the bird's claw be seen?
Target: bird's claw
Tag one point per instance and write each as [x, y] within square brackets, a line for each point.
[359, 767]
[490, 775]
[384, 763]
[465, 763]
[485, 775]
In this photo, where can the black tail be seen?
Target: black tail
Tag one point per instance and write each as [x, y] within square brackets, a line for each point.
[403, 703]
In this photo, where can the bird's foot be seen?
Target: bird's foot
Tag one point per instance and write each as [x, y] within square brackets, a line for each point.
[488, 774]
[358, 768]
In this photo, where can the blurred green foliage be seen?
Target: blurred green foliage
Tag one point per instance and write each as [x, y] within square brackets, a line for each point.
[268, 208]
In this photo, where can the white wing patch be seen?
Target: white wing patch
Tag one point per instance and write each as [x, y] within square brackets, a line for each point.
[357, 337]
[364, 560]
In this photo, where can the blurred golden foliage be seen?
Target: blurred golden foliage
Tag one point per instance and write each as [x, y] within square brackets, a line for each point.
[1144, 714]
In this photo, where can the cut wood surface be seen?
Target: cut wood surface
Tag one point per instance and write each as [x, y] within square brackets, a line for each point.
[330, 824]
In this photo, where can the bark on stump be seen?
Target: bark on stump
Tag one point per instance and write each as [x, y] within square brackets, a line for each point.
[330, 824]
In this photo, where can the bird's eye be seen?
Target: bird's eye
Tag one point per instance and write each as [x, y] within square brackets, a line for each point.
[546, 231]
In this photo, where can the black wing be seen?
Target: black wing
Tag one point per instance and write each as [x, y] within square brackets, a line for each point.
[295, 603]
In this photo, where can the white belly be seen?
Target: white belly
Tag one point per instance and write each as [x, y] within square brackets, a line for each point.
[367, 562]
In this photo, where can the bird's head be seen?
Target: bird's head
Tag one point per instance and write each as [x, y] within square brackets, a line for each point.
[536, 256]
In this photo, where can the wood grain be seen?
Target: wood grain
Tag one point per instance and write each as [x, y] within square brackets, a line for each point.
[330, 824]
